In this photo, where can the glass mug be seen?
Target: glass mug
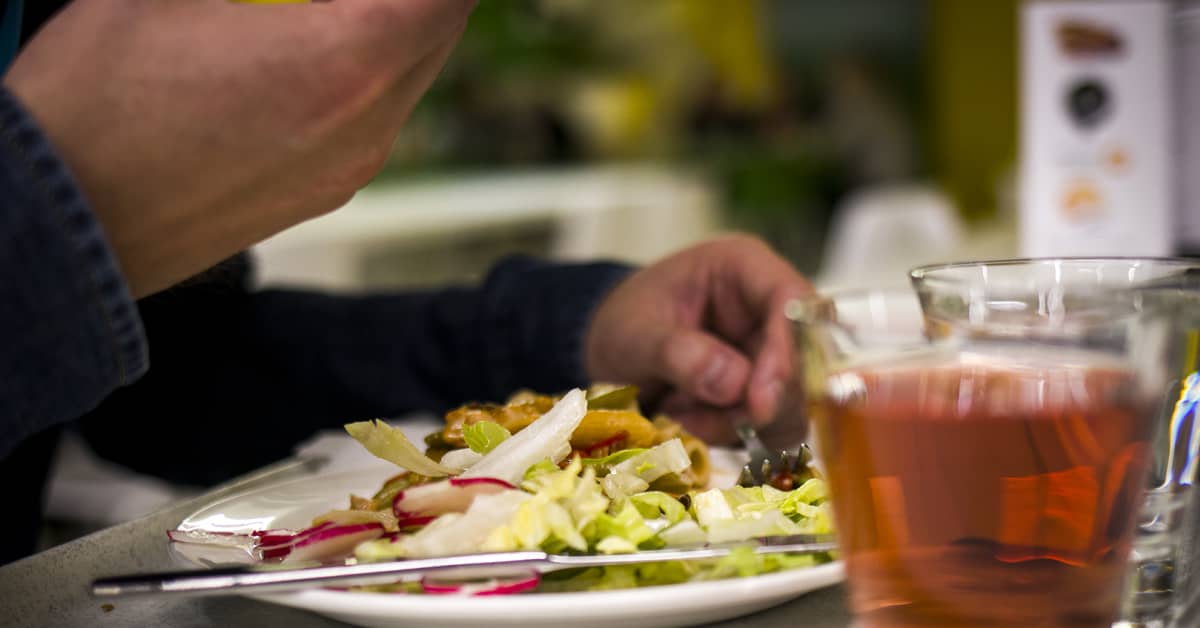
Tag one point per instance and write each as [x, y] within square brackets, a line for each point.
[987, 298]
[980, 482]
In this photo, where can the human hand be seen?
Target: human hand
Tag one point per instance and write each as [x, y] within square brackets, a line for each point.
[196, 128]
[703, 335]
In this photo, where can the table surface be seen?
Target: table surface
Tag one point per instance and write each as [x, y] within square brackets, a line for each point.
[52, 588]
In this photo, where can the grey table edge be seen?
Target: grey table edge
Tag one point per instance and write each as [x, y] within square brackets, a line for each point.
[52, 588]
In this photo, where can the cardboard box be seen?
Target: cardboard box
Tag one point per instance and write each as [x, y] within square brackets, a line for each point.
[1096, 128]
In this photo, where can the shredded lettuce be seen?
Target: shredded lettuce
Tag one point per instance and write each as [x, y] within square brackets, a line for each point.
[743, 562]
[742, 512]
[545, 466]
[546, 437]
[614, 458]
[634, 474]
[618, 485]
[686, 532]
[669, 457]
[464, 533]
[582, 509]
[483, 436]
[769, 523]
[655, 504]
[612, 397]
[622, 532]
[390, 443]
[711, 506]
[563, 504]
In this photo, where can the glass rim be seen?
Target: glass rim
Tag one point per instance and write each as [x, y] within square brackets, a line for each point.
[934, 272]
[802, 309]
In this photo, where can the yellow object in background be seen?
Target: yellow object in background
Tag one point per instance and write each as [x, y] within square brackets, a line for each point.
[972, 98]
[731, 37]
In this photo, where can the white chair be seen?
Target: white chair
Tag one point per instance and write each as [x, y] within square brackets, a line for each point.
[879, 233]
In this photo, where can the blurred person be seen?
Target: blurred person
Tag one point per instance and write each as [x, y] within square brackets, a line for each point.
[141, 142]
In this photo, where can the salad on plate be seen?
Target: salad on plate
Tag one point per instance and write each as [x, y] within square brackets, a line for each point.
[581, 473]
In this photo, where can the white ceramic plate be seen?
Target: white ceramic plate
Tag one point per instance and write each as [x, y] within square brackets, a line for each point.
[295, 503]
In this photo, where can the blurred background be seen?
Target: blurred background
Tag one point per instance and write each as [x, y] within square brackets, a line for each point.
[858, 137]
[628, 129]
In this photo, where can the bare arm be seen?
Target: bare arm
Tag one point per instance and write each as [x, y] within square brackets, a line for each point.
[196, 128]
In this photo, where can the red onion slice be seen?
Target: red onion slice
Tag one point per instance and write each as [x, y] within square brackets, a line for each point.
[492, 586]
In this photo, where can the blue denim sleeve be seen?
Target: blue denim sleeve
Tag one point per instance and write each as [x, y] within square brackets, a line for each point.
[70, 333]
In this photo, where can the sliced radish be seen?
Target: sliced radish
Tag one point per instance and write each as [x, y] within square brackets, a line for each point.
[415, 506]
[492, 586]
[274, 537]
[320, 542]
[460, 482]
[454, 533]
[275, 551]
[333, 542]
[282, 545]
[408, 523]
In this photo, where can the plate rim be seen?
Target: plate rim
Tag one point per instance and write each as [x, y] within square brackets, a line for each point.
[536, 606]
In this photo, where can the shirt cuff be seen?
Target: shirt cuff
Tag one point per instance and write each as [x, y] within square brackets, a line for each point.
[76, 332]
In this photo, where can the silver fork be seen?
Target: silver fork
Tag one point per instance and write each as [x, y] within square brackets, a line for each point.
[766, 465]
[758, 470]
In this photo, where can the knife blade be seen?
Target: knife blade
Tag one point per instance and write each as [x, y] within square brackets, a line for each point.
[266, 579]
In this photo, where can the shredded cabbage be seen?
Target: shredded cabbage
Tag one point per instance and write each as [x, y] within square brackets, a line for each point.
[390, 443]
[567, 511]
[634, 474]
[746, 512]
[613, 458]
[482, 437]
[669, 457]
[547, 437]
[655, 504]
[463, 533]
[555, 518]
[686, 532]
[461, 459]
[601, 506]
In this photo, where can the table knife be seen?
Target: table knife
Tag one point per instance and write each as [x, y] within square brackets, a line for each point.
[275, 578]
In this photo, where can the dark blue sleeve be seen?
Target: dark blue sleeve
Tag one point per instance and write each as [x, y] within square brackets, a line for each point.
[521, 327]
[69, 331]
[240, 377]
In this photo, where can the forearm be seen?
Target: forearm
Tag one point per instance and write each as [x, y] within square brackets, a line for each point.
[522, 327]
[240, 377]
[70, 332]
